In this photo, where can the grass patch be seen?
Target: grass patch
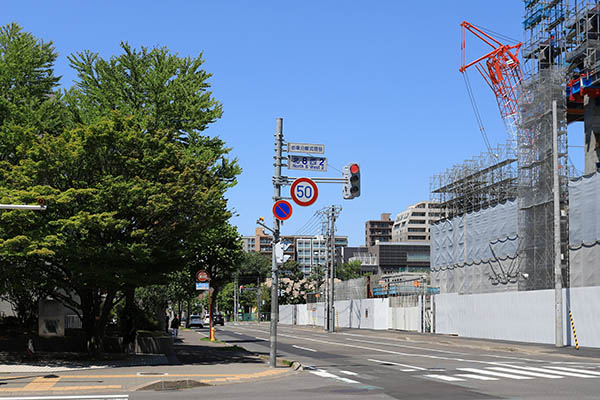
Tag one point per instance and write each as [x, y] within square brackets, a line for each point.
[207, 339]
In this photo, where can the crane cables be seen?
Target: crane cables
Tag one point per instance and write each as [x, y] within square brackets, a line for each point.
[476, 111]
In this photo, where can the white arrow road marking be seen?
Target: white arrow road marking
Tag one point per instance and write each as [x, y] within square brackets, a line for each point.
[326, 374]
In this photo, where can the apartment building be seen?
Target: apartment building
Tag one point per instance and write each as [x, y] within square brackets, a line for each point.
[414, 223]
[379, 231]
[307, 251]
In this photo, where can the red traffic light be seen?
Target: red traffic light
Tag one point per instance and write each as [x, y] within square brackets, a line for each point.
[354, 168]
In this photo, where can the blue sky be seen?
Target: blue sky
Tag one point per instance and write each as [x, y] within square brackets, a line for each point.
[376, 81]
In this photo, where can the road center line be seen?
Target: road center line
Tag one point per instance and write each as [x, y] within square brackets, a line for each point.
[304, 348]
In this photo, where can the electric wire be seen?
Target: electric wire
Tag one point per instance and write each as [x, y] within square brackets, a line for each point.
[476, 111]
[497, 34]
[315, 215]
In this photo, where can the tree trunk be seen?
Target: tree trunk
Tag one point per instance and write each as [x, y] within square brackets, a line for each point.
[90, 323]
[128, 328]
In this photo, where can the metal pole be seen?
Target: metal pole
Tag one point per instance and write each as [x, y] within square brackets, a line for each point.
[235, 297]
[274, 271]
[332, 274]
[258, 299]
[558, 303]
[326, 288]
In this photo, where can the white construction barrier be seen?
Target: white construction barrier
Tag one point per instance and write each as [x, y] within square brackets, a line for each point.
[520, 316]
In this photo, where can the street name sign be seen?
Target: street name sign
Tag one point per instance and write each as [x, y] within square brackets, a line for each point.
[306, 148]
[307, 163]
[202, 286]
[282, 210]
[304, 192]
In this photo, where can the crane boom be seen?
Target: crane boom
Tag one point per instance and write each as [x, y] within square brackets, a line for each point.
[501, 70]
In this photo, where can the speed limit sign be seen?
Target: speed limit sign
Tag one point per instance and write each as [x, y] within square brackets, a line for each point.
[304, 191]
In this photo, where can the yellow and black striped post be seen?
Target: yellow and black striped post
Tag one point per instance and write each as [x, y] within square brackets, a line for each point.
[573, 328]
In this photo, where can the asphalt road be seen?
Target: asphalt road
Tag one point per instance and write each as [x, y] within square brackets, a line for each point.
[384, 364]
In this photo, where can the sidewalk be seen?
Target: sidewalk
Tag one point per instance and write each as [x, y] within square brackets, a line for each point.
[196, 362]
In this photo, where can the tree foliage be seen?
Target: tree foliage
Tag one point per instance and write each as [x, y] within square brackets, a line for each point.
[134, 189]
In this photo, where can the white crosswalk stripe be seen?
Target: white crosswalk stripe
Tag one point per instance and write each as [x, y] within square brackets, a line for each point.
[478, 377]
[528, 373]
[555, 372]
[445, 378]
[579, 371]
[493, 373]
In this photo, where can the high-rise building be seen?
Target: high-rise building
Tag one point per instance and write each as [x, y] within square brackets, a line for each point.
[378, 230]
[413, 224]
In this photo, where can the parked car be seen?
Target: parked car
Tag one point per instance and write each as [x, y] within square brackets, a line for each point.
[196, 322]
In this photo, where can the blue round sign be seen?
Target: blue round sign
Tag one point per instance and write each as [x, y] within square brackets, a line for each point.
[282, 210]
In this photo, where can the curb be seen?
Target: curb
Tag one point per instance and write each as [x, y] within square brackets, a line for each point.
[171, 385]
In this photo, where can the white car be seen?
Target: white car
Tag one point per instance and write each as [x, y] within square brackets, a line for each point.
[196, 322]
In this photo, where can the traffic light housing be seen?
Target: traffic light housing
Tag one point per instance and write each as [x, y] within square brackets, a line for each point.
[351, 174]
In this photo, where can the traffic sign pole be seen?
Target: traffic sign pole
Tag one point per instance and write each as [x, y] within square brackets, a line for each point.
[274, 271]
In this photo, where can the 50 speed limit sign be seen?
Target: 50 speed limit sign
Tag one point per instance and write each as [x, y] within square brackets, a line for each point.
[304, 191]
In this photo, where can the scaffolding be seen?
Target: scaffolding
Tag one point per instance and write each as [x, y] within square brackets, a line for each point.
[481, 182]
[536, 175]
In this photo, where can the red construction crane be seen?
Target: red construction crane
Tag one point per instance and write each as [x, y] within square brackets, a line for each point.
[501, 70]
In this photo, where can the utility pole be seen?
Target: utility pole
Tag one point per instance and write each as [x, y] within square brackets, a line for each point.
[558, 303]
[332, 274]
[235, 297]
[326, 313]
[331, 213]
[278, 161]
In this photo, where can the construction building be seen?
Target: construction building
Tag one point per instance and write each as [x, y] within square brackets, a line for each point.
[511, 219]
[413, 224]
[379, 231]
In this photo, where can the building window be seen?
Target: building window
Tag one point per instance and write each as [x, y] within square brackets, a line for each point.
[417, 221]
[415, 237]
[416, 229]
[418, 214]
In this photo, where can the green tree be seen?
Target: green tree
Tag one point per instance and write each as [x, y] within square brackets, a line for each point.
[134, 190]
[349, 270]
[29, 107]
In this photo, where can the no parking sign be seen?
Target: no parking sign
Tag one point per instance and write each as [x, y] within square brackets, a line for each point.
[282, 210]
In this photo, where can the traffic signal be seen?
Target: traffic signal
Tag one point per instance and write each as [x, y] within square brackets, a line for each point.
[280, 248]
[351, 173]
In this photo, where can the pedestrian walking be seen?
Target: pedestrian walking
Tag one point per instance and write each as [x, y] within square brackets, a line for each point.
[175, 325]
[167, 322]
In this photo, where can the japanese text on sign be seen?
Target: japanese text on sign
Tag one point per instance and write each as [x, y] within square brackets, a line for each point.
[308, 163]
[306, 148]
